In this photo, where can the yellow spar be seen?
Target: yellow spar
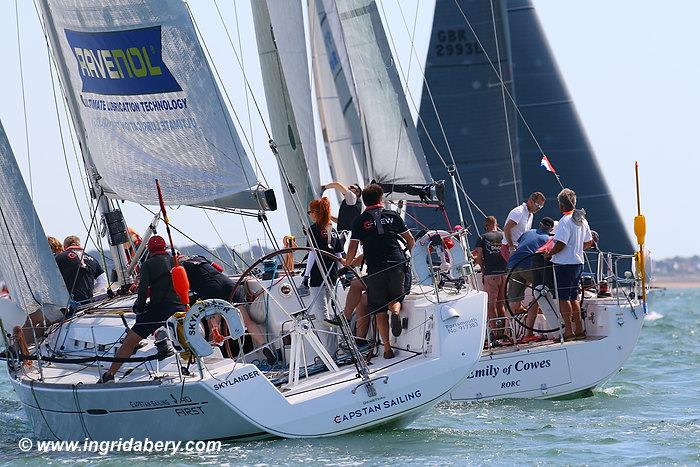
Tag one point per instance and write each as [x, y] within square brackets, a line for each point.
[640, 230]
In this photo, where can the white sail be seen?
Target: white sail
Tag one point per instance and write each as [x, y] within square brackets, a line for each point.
[338, 114]
[141, 91]
[27, 264]
[394, 152]
[279, 30]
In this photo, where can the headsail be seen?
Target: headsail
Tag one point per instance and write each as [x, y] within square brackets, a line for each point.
[467, 93]
[392, 146]
[335, 95]
[279, 29]
[26, 262]
[141, 90]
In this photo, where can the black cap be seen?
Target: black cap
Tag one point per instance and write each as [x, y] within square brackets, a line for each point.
[547, 222]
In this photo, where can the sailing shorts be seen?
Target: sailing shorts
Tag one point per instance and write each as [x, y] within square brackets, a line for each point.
[385, 287]
[568, 277]
[154, 317]
[519, 280]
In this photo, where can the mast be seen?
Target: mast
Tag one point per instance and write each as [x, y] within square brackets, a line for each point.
[107, 211]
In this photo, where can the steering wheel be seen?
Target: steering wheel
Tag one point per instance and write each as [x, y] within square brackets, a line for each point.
[538, 291]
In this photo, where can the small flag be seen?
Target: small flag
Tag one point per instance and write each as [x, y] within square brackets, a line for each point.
[547, 165]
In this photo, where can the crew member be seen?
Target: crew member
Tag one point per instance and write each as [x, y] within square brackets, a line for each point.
[523, 270]
[55, 244]
[207, 281]
[324, 238]
[155, 282]
[519, 221]
[350, 207]
[378, 230]
[571, 236]
[493, 269]
[81, 272]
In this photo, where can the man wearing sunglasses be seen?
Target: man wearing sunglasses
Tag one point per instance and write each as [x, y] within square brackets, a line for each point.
[518, 222]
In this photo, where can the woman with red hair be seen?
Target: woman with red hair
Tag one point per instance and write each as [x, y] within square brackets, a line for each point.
[325, 238]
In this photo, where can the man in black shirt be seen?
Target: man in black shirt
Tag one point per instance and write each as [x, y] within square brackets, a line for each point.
[81, 272]
[493, 269]
[350, 207]
[207, 280]
[155, 283]
[378, 230]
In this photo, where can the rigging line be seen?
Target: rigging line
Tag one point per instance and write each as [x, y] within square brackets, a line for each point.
[228, 249]
[458, 179]
[69, 117]
[505, 105]
[250, 141]
[500, 78]
[24, 104]
[240, 64]
[247, 94]
[195, 242]
[232, 131]
[82, 254]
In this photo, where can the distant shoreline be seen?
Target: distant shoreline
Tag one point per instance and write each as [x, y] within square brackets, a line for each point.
[677, 282]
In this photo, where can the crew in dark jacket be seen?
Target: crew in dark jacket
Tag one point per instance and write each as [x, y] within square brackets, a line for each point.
[155, 283]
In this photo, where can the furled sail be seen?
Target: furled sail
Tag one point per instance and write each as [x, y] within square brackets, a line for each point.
[279, 30]
[27, 264]
[141, 91]
[335, 96]
[469, 99]
[394, 153]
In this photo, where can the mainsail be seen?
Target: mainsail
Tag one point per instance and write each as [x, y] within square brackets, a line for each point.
[26, 262]
[279, 30]
[144, 97]
[393, 151]
[470, 102]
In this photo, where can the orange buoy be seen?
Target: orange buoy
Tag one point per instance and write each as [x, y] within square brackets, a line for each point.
[181, 284]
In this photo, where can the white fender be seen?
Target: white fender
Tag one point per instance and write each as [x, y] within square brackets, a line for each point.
[204, 309]
[454, 258]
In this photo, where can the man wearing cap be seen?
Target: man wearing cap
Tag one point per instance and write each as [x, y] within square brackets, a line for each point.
[155, 282]
[521, 265]
[571, 237]
[518, 222]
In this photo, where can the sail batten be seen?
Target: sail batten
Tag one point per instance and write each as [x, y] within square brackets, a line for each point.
[147, 103]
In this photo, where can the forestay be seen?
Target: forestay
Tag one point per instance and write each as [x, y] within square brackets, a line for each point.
[279, 30]
[26, 262]
[144, 97]
[394, 152]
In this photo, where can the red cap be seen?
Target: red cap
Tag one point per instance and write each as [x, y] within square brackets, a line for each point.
[156, 244]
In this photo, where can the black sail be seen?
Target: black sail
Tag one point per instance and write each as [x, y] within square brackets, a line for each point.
[475, 123]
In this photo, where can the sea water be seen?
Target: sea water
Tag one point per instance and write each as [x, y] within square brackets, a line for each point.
[647, 414]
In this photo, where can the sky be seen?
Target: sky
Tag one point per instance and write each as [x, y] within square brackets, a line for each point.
[630, 66]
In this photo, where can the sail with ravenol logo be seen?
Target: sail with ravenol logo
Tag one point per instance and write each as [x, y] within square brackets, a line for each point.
[140, 88]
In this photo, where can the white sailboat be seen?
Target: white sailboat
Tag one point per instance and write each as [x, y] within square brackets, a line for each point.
[549, 368]
[145, 105]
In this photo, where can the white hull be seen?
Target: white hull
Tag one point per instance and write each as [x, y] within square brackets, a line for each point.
[554, 369]
[235, 400]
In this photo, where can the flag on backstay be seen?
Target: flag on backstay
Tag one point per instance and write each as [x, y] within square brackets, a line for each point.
[547, 165]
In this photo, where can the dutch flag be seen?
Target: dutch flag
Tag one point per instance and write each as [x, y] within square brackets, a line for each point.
[547, 165]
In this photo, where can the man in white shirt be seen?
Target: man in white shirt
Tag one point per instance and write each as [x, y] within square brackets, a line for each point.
[518, 222]
[572, 235]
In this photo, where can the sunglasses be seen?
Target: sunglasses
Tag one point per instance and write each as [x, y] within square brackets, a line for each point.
[539, 206]
[309, 212]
